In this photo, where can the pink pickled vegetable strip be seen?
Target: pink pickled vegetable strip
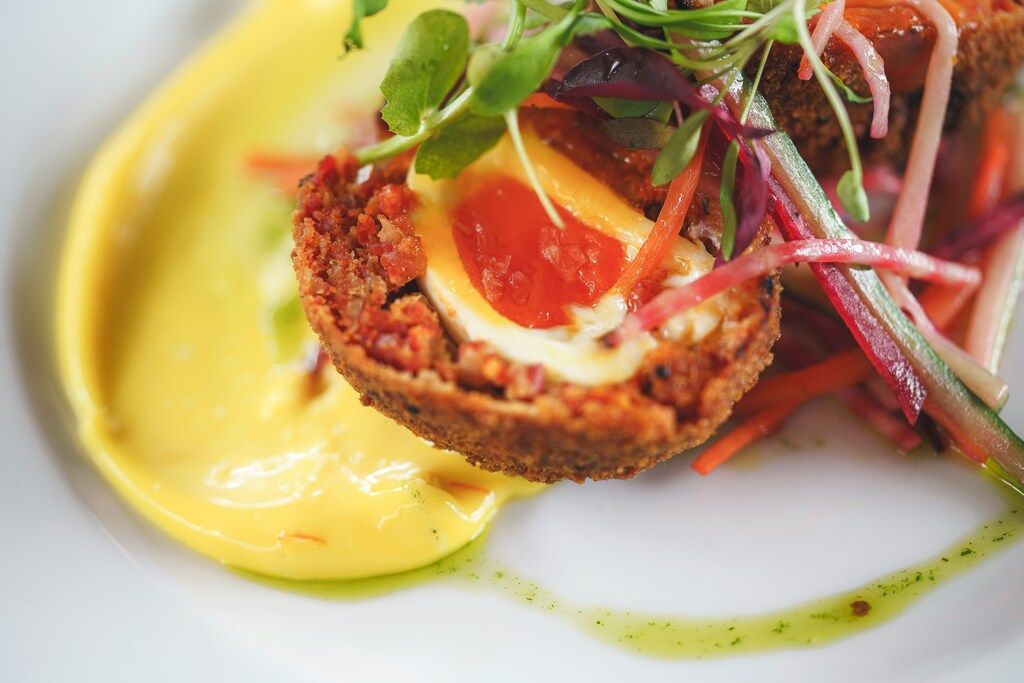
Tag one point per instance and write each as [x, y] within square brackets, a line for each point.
[883, 397]
[988, 387]
[1003, 265]
[892, 428]
[908, 216]
[874, 73]
[828, 21]
[888, 359]
[766, 260]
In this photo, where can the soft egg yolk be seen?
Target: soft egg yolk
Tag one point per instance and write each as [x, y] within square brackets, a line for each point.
[526, 267]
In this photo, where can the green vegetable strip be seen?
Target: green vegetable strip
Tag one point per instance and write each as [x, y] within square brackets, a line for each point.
[974, 426]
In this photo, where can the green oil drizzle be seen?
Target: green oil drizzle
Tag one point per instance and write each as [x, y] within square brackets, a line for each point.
[670, 636]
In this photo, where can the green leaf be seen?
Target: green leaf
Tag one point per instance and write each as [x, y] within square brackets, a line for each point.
[458, 145]
[853, 197]
[679, 150]
[427, 65]
[360, 10]
[482, 61]
[521, 70]
[847, 92]
[641, 133]
[725, 199]
[628, 109]
[660, 5]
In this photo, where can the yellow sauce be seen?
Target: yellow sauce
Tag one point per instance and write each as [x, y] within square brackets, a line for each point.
[181, 341]
[181, 345]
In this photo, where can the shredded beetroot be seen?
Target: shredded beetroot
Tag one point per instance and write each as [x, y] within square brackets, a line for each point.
[880, 348]
[766, 260]
[982, 231]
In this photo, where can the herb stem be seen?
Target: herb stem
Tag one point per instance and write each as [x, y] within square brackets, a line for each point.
[831, 94]
[753, 85]
[517, 21]
[512, 121]
[545, 9]
[400, 143]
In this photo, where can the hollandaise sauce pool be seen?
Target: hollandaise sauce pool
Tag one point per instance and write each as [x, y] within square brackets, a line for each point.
[184, 349]
[193, 376]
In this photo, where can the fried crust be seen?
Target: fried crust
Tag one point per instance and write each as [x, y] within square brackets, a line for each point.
[990, 52]
[681, 394]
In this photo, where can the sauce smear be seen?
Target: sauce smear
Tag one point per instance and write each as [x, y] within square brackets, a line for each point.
[526, 267]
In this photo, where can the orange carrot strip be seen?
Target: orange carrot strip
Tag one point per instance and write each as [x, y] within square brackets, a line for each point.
[541, 100]
[943, 303]
[284, 171]
[990, 176]
[835, 372]
[756, 426]
[659, 241]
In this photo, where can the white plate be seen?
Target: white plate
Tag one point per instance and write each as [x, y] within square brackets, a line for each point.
[89, 590]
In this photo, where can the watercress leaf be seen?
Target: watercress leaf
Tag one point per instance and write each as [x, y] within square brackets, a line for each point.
[662, 112]
[427, 65]
[360, 10]
[784, 30]
[679, 150]
[725, 199]
[642, 133]
[853, 197]
[626, 109]
[481, 62]
[590, 23]
[458, 145]
[521, 70]
[847, 92]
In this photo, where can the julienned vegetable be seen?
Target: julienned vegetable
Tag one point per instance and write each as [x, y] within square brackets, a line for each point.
[765, 260]
[671, 79]
[802, 211]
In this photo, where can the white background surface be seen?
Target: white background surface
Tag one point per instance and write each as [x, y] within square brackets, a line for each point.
[88, 591]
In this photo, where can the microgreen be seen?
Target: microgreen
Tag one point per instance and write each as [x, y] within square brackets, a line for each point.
[512, 121]
[454, 105]
[522, 69]
[679, 150]
[429, 62]
[458, 145]
[851, 185]
[360, 10]
[634, 109]
[638, 133]
[850, 95]
[725, 199]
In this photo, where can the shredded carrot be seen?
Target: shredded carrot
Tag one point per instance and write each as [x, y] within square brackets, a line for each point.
[943, 303]
[541, 100]
[282, 170]
[662, 236]
[835, 372]
[759, 424]
[993, 165]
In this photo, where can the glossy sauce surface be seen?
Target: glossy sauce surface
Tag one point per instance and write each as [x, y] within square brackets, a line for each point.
[185, 352]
